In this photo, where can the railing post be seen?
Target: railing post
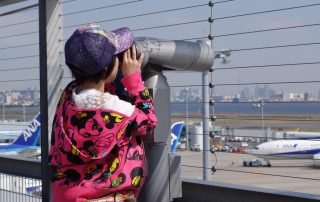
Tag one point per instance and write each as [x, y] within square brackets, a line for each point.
[51, 47]
[44, 100]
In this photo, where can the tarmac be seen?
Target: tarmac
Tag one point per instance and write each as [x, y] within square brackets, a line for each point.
[296, 175]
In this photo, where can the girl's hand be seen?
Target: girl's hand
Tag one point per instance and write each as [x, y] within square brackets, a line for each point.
[130, 63]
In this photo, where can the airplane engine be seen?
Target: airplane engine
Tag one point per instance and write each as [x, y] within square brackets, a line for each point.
[175, 54]
[316, 160]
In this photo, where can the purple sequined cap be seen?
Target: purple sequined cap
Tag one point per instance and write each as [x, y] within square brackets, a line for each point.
[90, 49]
[124, 39]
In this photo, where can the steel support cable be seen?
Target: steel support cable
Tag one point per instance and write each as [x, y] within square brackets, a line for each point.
[306, 119]
[16, 69]
[101, 7]
[268, 30]
[18, 23]
[257, 173]
[269, 174]
[247, 136]
[270, 47]
[146, 14]
[17, 115]
[12, 124]
[271, 83]
[253, 83]
[22, 57]
[170, 25]
[20, 10]
[250, 119]
[16, 35]
[18, 91]
[189, 39]
[67, 1]
[252, 102]
[140, 15]
[267, 155]
[268, 65]
[18, 80]
[19, 46]
[267, 11]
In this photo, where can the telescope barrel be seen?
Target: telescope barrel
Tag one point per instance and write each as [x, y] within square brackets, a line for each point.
[176, 54]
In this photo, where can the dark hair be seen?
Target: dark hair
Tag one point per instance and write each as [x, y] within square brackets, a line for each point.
[96, 78]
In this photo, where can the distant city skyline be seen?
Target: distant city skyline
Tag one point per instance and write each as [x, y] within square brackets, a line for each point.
[259, 93]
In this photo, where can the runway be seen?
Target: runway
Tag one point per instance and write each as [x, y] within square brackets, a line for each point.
[287, 175]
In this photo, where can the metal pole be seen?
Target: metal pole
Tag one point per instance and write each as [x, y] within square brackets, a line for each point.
[157, 184]
[205, 99]
[2, 112]
[262, 119]
[44, 100]
[228, 127]
[205, 119]
[23, 112]
[187, 120]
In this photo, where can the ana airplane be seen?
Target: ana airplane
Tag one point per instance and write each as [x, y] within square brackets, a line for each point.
[25, 145]
[288, 149]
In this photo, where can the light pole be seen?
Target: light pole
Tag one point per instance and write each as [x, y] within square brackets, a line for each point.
[187, 119]
[3, 112]
[228, 128]
[23, 111]
[261, 106]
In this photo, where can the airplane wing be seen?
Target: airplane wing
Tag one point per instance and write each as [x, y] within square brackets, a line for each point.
[30, 152]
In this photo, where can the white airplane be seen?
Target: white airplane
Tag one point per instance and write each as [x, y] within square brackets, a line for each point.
[288, 149]
[25, 145]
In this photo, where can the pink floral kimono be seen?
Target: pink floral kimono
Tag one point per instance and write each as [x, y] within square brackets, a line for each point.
[98, 152]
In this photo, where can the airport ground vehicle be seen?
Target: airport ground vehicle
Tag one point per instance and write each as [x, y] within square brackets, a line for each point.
[195, 147]
[255, 163]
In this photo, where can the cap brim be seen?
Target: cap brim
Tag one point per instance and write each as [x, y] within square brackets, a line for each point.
[124, 39]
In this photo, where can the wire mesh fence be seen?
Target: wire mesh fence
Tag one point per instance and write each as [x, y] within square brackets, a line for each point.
[18, 188]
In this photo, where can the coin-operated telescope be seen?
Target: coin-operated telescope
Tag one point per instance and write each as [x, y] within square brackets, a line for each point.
[175, 55]
[164, 180]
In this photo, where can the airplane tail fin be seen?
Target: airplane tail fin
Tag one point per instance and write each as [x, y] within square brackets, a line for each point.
[30, 135]
[176, 130]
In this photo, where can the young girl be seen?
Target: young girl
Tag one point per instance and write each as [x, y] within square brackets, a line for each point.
[96, 147]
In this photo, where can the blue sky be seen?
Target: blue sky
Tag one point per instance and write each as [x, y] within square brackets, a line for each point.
[294, 17]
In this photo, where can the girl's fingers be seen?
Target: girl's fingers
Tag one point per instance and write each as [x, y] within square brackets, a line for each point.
[134, 52]
[129, 54]
[125, 56]
[141, 56]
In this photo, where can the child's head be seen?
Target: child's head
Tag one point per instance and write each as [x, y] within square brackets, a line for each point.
[90, 52]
